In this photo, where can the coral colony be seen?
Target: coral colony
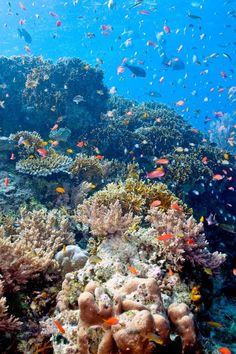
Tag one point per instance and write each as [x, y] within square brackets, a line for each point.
[106, 242]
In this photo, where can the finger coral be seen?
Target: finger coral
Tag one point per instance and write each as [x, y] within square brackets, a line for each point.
[86, 167]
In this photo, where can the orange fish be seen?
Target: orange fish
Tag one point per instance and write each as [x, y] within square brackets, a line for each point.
[133, 270]
[59, 327]
[180, 103]
[162, 161]
[42, 152]
[165, 237]
[12, 156]
[224, 350]
[120, 70]
[81, 144]
[111, 321]
[54, 143]
[159, 172]
[176, 206]
[6, 181]
[170, 272]
[204, 160]
[55, 127]
[99, 157]
[190, 241]
[234, 271]
[218, 177]
[155, 203]
[194, 130]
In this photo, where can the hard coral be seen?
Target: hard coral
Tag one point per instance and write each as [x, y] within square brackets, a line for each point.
[86, 167]
[7, 322]
[52, 163]
[105, 221]
[187, 241]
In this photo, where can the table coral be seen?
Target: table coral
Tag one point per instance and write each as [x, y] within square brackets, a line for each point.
[52, 163]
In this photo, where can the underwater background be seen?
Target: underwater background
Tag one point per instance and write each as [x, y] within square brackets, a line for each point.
[117, 177]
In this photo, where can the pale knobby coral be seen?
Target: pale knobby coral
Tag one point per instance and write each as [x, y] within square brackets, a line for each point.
[86, 167]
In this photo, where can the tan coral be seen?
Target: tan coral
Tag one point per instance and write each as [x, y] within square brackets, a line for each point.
[45, 232]
[136, 321]
[182, 319]
[105, 221]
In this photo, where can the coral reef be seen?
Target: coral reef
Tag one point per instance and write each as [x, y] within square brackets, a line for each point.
[71, 258]
[186, 243]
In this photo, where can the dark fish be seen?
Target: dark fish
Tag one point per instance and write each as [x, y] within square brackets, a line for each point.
[194, 17]
[136, 4]
[136, 70]
[23, 33]
[228, 227]
[227, 56]
[177, 64]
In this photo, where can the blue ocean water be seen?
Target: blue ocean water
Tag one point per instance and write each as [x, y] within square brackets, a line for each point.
[198, 30]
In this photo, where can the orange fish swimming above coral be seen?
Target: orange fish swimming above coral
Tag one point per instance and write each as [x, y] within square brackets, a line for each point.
[111, 321]
[165, 237]
[158, 173]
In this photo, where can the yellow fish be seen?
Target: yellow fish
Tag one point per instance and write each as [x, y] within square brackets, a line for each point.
[31, 157]
[202, 219]
[226, 156]
[64, 248]
[208, 271]
[95, 259]
[214, 324]
[69, 151]
[153, 337]
[60, 190]
[145, 115]
[92, 186]
[43, 143]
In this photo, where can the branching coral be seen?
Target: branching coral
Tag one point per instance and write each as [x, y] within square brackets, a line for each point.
[18, 264]
[7, 323]
[186, 241]
[45, 232]
[105, 221]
